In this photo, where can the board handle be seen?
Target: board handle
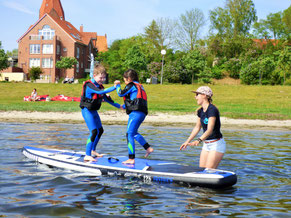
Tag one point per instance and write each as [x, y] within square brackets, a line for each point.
[113, 158]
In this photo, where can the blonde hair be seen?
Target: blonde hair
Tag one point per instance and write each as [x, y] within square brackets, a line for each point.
[99, 70]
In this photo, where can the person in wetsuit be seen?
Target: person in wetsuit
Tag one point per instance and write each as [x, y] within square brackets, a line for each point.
[135, 103]
[214, 145]
[93, 94]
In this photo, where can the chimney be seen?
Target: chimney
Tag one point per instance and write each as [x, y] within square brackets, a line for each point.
[81, 28]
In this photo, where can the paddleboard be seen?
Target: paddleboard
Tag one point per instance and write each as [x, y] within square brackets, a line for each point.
[145, 169]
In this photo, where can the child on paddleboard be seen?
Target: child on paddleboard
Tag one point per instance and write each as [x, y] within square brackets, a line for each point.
[135, 103]
[93, 94]
[214, 145]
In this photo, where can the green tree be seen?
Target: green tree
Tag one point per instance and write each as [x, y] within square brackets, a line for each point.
[3, 58]
[194, 62]
[234, 19]
[272, 27]
[13, 53]
[287, 20]
[135, 59]
[284, 62]
[188, 29]
[34, 73]
[153, 34]
[66, 63]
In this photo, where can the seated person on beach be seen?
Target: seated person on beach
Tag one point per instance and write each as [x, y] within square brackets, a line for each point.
[33, 96]
[71, 80]
[66, 80]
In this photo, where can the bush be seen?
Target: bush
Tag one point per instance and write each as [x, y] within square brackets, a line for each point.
[233, 66]
[34, 73]
[205, 76]
[217, 72]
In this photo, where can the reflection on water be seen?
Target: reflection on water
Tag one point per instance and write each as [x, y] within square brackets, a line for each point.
[260, 158]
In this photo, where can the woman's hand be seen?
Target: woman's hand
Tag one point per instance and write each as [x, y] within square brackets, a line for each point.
[195, 143]
[184, 145]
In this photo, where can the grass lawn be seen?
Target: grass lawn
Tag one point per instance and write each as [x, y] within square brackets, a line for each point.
[233, 101]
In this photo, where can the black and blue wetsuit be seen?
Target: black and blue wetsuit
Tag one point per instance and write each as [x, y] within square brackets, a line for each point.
[135, 103]
[92, 96]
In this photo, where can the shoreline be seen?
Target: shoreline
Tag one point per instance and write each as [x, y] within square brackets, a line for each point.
[155, 119]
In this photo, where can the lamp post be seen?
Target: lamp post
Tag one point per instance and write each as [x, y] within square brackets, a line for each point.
[163, 52]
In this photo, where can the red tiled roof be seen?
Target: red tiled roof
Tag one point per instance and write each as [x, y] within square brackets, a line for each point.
[262, 42]
[99, 42]
[48, 6]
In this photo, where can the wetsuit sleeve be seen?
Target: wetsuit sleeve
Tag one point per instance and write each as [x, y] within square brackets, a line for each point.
[128, 89]
[93, 89]
[109, 100]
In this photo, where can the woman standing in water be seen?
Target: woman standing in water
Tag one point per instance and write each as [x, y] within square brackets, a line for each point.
[214, 145]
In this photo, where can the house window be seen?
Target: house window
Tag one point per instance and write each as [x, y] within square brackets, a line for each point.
[58, 49]
[34, 49]
[78, 52]
[47, 49]
[47, 63]
[34, 62]
[77, 67]
[89, 49]
[46, 32]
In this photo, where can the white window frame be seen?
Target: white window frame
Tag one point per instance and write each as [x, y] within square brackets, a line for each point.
[34, 49]
[46, 32]
[34, 62]
[47, 63]
[47, 48]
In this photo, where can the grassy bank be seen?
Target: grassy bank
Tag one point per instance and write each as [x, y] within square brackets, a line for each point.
[233, 101]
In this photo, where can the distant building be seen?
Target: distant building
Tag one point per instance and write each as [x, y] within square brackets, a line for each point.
[52, 37]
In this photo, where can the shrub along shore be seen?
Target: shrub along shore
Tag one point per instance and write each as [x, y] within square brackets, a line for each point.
[233, 101]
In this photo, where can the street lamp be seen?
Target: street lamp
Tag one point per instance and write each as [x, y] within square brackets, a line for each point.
[163, 52]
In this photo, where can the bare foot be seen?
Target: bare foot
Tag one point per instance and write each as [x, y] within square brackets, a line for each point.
[129, 161]
[89, 158]
[149, 150]
[94, 153]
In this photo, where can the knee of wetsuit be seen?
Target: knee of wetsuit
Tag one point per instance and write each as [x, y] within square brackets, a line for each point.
[101, 130]
[94, 134]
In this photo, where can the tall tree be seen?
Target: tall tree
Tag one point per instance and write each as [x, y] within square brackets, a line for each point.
[135, 59]
[230, 27]
[166, 27]
[3, 58]
[153, 34]
[272, 27]
[287, 20]
[188, 29]
[234, 19]
[66, 63]
[194, 62]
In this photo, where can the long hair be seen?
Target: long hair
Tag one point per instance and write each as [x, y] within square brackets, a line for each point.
[132, 74]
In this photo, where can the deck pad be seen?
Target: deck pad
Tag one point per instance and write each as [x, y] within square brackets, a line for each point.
[146, 169]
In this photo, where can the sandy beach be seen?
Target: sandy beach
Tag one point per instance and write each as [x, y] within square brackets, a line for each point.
[156, 119]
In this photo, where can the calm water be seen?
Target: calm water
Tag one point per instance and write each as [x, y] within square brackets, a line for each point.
[260, 158]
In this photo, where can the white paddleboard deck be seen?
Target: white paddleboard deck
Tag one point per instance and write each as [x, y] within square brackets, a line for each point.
[148, 170]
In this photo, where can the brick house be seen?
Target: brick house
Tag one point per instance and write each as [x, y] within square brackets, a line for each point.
[52, 37]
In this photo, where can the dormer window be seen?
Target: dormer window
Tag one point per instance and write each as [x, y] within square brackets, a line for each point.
[46, 32]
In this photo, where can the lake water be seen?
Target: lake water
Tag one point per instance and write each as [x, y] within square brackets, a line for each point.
[261, 160]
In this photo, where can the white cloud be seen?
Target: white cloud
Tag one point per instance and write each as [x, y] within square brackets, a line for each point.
[18, 7]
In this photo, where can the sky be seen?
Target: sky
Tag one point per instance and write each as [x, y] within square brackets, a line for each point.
[118, 19]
